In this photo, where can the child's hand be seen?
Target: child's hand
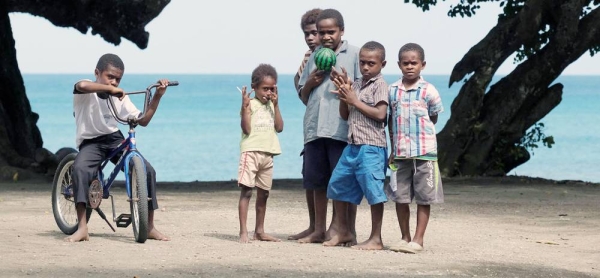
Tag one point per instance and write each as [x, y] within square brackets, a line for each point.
[117, 92]
[315, 78]
[274, 96]
[344, 91]
[335, 75]
[246, 97]
[160, 90]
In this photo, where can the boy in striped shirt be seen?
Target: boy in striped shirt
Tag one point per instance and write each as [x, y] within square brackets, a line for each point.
[414, 108]
[360, 171]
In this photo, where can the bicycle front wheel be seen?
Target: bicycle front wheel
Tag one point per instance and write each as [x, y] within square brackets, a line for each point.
[139, 199]
[63, 199]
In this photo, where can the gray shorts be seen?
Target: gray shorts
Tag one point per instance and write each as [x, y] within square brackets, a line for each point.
[416, 179]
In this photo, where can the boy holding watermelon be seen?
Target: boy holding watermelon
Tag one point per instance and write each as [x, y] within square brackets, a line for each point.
[360, 171]
[325, 132]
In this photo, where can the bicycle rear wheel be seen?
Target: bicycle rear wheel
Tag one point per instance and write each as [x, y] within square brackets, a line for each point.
[63, 199]
[139, 199]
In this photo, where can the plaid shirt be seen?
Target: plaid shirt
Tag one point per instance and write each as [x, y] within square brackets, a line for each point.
[413, 133]
[363, 130]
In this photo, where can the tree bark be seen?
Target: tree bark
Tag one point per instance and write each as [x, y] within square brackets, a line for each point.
[480, 136]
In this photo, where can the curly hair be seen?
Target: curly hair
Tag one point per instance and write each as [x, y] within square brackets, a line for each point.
[412, 47]
[262, 71]
[110, 59]
[309, 17]
[375, 46]
[333, 14]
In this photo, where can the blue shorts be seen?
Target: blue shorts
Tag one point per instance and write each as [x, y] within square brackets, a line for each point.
[320, 158]
[359, 173]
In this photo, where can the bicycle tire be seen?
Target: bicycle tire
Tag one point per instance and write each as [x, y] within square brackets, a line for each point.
[63, 200]
[139, 199]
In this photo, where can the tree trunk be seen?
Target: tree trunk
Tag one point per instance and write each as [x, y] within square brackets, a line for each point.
[481, 135]
[19, 135]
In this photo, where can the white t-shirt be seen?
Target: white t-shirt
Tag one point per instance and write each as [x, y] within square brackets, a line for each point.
[93, 115]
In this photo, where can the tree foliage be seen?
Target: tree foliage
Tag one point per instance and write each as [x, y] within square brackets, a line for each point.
[487, 133]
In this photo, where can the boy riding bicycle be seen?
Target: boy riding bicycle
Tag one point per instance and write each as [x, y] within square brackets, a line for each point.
[98, 134]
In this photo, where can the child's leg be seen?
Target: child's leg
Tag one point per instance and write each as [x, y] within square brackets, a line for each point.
[422, 220]
[261, 209]
[310, 202]
[403, 213]
[374, 242]
[320, 201]
[245, 195]
[82, 231]
[341, 234]
[153, 233]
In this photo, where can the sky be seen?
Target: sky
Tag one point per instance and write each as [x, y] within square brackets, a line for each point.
[233, 37]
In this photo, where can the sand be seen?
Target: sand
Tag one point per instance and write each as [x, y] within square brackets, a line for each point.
[488, 227]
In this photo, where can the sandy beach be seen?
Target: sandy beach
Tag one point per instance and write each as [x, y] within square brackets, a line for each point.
[488, 227]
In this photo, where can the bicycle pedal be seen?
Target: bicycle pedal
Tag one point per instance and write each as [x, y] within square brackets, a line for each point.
[123, 220]
[95, 194]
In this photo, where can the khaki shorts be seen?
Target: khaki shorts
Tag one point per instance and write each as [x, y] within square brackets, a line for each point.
[416, 179]
[256, 170]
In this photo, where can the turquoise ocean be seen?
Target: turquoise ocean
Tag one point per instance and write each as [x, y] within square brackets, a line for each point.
[195, 134]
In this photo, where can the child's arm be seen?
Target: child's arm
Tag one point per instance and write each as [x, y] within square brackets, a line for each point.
[346, 94]
[89, 87]
[343, 89]
[434, 119]
[391, 133]
[278, 118]
[315, 78]
[246, 111]
[153, 106]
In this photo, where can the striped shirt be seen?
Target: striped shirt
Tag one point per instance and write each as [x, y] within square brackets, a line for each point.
[301, 69]
[363, 130]
[413, 132]
[304, 61]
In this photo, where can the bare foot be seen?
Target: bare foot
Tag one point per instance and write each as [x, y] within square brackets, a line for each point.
[314, 237]
[244, 238]
[80, 235]
[329, 234]
[370, 244]
[155, 234]
[265, 237]
[339, 240]
[302, 234]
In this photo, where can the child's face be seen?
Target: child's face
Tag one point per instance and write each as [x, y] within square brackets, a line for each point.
[330, 34]
[264, 89]
[370, 63]
[411, 65]
[311, 37]
[110, 76]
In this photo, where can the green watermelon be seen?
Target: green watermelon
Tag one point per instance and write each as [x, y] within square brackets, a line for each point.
[325, 59]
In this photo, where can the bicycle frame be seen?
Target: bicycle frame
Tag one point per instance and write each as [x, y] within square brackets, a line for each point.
[128, 147]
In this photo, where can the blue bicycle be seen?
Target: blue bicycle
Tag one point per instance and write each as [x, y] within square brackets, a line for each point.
[130, 161]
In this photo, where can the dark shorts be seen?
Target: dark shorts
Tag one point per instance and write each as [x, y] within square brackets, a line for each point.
[320, 158]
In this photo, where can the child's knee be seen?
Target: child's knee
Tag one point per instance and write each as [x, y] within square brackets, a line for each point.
[246, 192]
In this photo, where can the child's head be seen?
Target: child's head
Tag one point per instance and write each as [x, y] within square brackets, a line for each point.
[264, 81]
[371, 59]
[330, 26]
[109, 70]
[308, 23]
[411, 60]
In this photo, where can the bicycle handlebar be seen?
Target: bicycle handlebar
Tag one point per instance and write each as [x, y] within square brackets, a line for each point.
[148, 97]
